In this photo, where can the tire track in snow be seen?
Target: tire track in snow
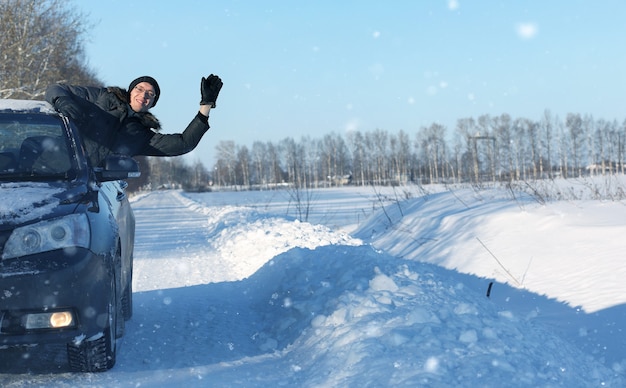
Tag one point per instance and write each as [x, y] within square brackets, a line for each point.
[172, 246]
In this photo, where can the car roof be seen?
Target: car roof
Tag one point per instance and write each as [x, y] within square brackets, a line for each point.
[27, 106]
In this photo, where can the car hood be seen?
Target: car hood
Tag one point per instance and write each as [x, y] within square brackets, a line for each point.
[23, 202]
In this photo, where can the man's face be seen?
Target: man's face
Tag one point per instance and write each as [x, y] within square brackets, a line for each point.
[142, 97]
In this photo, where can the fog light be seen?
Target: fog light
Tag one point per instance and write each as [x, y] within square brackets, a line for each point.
[61, 319]
[51, 320]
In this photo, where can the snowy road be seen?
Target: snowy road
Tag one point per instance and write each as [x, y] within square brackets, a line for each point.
[171, 245]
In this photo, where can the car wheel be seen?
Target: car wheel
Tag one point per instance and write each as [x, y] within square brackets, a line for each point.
[120, 330]
[97, 354]
[127, 298]
[121, 322]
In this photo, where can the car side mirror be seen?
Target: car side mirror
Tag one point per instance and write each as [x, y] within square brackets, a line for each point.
[117, 167]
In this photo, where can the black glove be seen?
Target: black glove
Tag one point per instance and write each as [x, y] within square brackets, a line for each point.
[70, 108]
[210, 89]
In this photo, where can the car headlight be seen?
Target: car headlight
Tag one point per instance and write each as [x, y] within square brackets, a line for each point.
[65, 232]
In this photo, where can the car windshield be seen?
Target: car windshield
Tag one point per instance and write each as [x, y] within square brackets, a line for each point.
[34, 147]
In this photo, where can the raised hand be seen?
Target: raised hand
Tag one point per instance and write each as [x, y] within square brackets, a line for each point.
[210, 89]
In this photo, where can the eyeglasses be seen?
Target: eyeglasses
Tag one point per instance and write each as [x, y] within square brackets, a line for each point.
[143, 91]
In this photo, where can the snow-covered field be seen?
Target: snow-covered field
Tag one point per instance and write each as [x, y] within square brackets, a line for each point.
[232, 290]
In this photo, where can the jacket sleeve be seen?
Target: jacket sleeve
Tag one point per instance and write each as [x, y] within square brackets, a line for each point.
[88, 93]
[76, 102]
[180, 143]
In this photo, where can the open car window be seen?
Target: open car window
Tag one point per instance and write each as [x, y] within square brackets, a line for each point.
[34, 147]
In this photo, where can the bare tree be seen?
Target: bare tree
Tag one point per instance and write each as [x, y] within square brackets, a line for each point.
[503, 134]
[356, 143]
[574, 123]
[40, 44]
[432, 146]
[275, 171]
[377, 145]
[400, 145]
[243, 166]
[334, 154]
[548, 127]
[259, 163]
[226, 162]
[199, 177]
[309, 150]
[465, 159]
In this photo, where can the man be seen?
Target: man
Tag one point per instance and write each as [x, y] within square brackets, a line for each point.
[113, 120]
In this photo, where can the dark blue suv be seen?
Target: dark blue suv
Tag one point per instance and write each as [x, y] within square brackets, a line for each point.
[66, 238]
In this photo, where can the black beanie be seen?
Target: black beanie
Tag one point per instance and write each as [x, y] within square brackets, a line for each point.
[151, 81]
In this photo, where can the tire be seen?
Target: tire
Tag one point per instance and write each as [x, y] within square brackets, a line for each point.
[120, 330]
[127, 297]
[97, 354]
[121, 321]
[127, 303]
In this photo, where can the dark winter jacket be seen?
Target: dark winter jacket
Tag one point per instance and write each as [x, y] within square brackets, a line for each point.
[108, 125]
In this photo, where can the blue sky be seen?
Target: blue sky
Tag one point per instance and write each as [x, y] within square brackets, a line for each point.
[310, 68]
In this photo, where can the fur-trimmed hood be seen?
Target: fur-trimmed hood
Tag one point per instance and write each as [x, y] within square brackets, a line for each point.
[121, 95]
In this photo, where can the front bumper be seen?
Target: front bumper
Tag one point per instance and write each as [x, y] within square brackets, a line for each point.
[77, 281]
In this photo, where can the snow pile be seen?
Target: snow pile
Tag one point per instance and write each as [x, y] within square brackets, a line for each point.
[248, 239]
[515, 240]
[570, 251]
[353, 317]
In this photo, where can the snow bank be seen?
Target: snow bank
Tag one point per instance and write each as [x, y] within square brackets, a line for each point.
[349, 316]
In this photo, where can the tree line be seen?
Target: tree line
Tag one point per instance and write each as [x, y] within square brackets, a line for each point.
[486, 149]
